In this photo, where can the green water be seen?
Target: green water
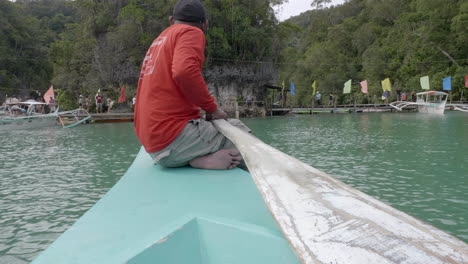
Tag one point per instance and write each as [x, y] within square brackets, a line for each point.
[50, 177]
[417, 163]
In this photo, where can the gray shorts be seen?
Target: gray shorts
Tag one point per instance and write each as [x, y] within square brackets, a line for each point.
[198, 138]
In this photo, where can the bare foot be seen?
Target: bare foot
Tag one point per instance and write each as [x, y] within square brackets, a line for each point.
[224, 159]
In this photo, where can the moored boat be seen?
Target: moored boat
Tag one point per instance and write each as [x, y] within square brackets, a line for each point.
[432, 102]
[32, 114]
[26, 115]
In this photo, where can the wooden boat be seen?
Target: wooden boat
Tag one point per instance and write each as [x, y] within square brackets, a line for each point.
[185, 215]
[431, 102]
[25, 115]
[327, 221]
[30, 115]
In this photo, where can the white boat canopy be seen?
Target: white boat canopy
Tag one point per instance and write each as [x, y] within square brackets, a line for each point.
[431, 102]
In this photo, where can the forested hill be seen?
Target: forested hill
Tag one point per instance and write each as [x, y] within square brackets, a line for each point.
[81, 46]
[375, 39]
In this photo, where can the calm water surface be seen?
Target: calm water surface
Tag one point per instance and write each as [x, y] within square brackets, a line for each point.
[417, 163]
[50, 177]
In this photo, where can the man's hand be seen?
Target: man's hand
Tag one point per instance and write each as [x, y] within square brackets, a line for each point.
[218, 114]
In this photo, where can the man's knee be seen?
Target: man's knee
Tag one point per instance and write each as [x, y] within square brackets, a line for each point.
[168, 163]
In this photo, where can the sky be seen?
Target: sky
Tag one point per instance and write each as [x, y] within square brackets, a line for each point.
[295, 7]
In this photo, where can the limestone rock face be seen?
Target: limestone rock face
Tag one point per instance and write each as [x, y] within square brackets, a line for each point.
[231, 83]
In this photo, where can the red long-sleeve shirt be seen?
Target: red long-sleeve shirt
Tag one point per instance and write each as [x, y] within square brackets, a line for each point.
[171, 89]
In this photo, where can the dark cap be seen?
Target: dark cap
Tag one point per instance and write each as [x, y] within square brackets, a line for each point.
[189, 11]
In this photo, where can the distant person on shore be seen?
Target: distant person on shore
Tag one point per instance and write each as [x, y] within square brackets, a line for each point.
[280, 99]
[414, 98]
[318, 96]
[52, 104]
[167, 112]
[385, 96]
[87, 103]
[81, 101]
[331, 97]
[110, 104]
[98, 98]
[404, 96]
[398, 95]
[133, 102]
[248, 101]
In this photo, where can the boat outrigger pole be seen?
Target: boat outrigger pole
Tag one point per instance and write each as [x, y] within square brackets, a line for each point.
[79, 116]
[327, 221]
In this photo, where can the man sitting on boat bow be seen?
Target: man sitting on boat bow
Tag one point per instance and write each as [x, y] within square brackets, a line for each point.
[171, 91]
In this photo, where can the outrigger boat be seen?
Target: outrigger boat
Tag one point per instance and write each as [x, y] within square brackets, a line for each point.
[73, 117]
[187, 215]
[26, 115]
[31, 114]
[460, 107]
[432, 102]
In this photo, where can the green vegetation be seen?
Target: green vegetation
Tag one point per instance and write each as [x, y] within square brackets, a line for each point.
[375, 39]
[84, 45]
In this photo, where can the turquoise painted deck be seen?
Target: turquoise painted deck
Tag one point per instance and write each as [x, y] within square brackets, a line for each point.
[184, 215]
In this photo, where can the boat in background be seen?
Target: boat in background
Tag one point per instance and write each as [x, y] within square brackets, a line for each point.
[432, 102]
[32, 114]
[26, 115]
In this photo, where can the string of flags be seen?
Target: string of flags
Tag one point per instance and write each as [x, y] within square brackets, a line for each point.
[447, 84]
[347, 87]
[386, 85]
[364, 87]
[292, 88]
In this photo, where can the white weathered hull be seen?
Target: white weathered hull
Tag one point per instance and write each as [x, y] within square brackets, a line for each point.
[30, 122]
[327, 221]
[432, 108]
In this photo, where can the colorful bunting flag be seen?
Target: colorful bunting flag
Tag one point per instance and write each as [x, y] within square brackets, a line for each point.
[347, 87]
[466, 81]
[122, 97]
[425, 83]
[49, 95]
[364, 87]
[314, 87]
[386, 85]
[447, 83]
[292, 88]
